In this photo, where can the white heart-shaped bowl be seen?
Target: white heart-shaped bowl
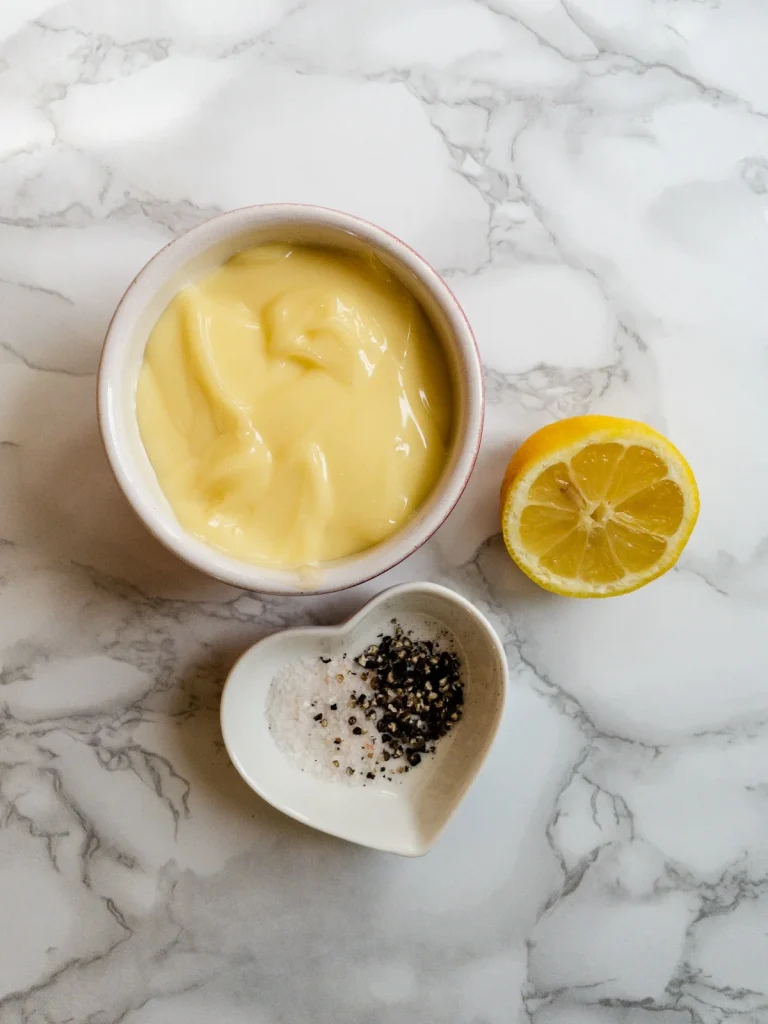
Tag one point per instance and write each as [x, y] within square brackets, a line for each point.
[404, 818]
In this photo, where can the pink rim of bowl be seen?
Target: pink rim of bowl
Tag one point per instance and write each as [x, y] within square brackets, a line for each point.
[200, 250]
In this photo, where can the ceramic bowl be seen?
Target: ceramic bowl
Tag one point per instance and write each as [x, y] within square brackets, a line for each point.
[208, 246]
[405, 816]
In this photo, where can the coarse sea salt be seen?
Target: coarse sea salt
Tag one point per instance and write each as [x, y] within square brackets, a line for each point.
[309, 687]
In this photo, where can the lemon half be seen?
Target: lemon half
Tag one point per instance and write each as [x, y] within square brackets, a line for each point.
[595, 506]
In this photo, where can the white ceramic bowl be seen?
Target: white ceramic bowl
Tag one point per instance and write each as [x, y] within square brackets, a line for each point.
[404, 817]
[208, 246]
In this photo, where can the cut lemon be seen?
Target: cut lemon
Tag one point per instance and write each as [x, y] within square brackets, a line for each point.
[595, 506]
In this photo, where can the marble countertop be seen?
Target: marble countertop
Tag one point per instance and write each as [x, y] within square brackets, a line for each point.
[592, 178]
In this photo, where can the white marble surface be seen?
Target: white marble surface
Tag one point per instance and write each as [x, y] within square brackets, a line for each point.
[592, 176]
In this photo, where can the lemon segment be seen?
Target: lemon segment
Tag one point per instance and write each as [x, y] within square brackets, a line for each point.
[595, 506]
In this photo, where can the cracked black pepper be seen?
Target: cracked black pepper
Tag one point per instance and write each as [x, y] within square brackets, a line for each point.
[418, 693]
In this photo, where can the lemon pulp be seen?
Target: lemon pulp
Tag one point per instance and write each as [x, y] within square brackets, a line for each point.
[595, 506]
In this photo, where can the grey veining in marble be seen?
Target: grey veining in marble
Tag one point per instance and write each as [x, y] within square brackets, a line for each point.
[592, 177]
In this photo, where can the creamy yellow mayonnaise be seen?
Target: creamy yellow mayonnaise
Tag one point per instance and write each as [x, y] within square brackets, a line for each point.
[295, 405]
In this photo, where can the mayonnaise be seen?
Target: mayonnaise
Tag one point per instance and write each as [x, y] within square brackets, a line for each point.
[295, 405]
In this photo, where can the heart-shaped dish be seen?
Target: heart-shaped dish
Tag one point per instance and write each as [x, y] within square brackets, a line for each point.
[408, 816]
